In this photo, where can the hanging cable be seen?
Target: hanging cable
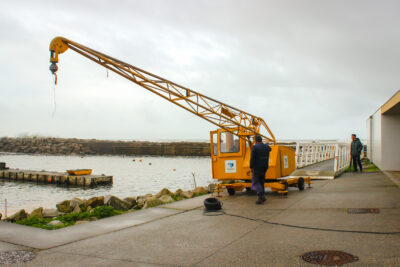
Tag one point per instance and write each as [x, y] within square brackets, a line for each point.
[54, 96]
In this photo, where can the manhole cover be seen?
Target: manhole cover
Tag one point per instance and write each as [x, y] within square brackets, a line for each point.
[328, 257]
[359, 211]
[18, 256]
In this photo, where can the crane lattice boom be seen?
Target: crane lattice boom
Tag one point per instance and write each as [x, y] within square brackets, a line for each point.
[222, 115]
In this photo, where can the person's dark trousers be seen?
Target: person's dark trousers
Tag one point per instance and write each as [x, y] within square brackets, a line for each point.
[258, 183]
[357, 161]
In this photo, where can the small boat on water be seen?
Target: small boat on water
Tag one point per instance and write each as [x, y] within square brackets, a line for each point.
[80, 172]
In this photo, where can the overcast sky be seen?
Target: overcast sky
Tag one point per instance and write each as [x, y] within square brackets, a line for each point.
[311, 69]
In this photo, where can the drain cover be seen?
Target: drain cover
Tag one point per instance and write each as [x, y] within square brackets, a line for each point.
[18, 256]
[328, 257]
[359, 211]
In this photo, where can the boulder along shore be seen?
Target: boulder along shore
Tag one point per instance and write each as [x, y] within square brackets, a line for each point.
[74, 146]
[76, 211]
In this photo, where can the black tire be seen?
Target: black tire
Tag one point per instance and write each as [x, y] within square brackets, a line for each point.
[212, 204]
[300, 184]
[231, 191]
[286, 188]
[248, 189]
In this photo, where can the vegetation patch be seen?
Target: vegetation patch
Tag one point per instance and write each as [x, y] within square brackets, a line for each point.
[71, 218]
[368, 166]
[77, 211]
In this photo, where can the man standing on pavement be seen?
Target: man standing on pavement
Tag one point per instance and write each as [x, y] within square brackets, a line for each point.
[259, 165]
[355, 152]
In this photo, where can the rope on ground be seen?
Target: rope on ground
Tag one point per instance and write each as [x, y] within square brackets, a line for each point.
[219, 213]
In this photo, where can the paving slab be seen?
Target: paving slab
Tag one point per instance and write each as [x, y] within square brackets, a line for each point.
[277, 246]
[44, 239]
[187, 204]
[180, 240]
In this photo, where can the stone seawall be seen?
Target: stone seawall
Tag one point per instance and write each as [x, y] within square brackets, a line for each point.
[62, 146]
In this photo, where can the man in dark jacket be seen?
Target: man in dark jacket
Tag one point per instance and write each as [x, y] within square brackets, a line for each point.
[355, 151]
[259, 165]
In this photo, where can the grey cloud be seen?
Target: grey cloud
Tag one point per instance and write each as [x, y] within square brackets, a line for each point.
[311, 69]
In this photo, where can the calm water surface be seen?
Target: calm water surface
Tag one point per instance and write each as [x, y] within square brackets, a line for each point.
[131, 178]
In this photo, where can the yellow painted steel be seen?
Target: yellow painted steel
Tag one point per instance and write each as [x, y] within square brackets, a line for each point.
[230, 144]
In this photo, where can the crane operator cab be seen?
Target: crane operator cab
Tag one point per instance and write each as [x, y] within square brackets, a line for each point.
[230, 158]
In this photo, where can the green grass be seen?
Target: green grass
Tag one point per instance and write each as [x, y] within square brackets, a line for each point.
[368, 166]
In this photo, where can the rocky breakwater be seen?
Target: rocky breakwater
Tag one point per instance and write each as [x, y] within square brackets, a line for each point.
[77, 211]
[73, 146]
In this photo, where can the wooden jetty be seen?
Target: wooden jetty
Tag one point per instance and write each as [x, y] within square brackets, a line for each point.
[59, 178]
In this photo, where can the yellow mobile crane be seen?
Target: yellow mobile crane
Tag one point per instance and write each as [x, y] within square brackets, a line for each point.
[230, 144]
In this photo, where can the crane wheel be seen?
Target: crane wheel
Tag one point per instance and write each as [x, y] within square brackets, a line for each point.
[231, 191]
[300, 184]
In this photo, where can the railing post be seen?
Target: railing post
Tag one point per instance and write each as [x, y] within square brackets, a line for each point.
[335, 167]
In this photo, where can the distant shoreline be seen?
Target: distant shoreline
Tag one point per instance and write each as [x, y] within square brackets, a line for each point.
[74, 146]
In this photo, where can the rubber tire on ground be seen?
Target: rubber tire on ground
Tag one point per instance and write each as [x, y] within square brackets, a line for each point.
[212, 204]
[231, 191]
[300, 184]
[286, 188]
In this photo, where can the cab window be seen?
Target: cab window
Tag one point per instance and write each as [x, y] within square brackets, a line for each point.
[214, 143]
[229, 143]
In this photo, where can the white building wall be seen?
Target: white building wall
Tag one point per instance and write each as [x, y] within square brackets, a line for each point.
[390, 158]
[375, 140]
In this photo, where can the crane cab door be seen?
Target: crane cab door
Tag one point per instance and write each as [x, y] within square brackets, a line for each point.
[228, 156]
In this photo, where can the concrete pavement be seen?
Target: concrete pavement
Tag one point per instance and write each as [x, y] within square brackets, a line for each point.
[180, 234]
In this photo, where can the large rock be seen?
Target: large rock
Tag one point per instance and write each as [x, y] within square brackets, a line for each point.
[95, 202]
[200, 190]
[178, 192]
[19, 215]
[77, 209]
[50, 213]
[64, 206]
[117, 203]
[151, 202]
[75, 202]
[55, 223]
[187, 194]
[164, 191]
[166, 199]
[144, 196]
[131, 200]
[36, 213]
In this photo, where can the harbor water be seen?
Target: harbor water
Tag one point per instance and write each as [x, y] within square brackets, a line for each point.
[133, 176]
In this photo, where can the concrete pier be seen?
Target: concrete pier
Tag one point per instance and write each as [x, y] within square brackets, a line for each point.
[58, 178]
[274, 234]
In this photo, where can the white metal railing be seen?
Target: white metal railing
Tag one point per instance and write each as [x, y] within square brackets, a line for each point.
[311, 153]
[342, 158]
[3, 203]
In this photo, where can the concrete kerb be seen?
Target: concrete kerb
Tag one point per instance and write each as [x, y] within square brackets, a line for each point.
[44, 239]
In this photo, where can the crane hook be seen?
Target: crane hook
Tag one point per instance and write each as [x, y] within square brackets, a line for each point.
[53, 68]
